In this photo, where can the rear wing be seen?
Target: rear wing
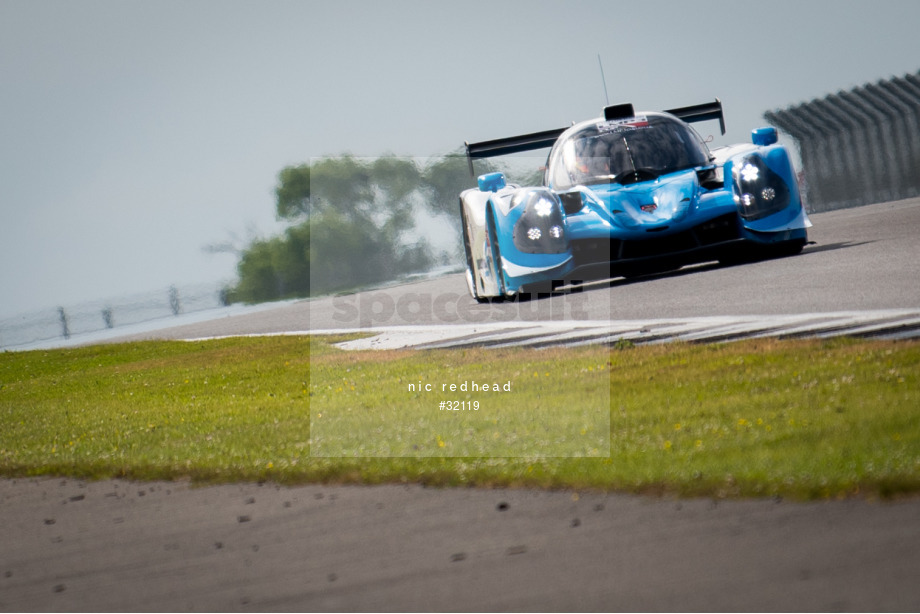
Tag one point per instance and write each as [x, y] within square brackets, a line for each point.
[510, 145]
[541, 140]
[701, 113]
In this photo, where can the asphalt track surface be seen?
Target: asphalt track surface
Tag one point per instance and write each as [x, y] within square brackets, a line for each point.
[119, 546]
[69, 545]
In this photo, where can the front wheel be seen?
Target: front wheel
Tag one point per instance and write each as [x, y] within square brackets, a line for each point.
[789, 248]
[748, 253]
[493, 262]
[470, 277]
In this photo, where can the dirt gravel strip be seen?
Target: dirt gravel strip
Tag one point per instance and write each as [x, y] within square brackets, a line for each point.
[70, 545]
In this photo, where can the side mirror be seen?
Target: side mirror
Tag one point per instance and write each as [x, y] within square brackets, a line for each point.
[764, 136]
[491, 182]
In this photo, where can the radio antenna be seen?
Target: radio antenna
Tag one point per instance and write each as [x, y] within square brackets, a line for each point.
[603, 80]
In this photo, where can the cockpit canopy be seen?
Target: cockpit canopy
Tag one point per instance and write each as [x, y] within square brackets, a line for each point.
[625, 151]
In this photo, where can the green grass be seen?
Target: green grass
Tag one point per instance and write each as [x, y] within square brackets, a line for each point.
[802, 419]
[547, 404]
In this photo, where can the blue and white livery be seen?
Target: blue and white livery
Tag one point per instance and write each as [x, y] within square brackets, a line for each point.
[627, 194]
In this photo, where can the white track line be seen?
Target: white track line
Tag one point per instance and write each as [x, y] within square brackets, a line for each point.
[892, 323]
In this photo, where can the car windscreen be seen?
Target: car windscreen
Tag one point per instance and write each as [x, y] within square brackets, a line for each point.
[612, 151]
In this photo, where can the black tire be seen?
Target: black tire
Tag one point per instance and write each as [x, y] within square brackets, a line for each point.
[469, 258]
[542, 288]
[495, 258]
[789, 248]
[742, 254]
[748, 254]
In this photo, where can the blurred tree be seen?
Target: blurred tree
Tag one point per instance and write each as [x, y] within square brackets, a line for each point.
[350, 219]
[293, 192]
[259, 280]
[443, 180]
[292, 261]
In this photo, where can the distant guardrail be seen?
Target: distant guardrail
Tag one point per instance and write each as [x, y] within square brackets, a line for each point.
[860, 146]
[68, 320]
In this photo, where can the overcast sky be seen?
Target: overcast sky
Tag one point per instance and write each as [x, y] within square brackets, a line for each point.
[135, 133]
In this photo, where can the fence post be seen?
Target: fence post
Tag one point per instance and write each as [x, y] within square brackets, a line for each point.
[174, 303]
[108, 317]
[65, 329]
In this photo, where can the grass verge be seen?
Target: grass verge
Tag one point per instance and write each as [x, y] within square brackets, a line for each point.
[801, 419]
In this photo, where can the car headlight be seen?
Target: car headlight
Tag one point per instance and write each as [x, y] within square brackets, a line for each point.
[541, 227]
[759, 191]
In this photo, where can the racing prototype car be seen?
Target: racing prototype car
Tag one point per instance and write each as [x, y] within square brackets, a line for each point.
[628, 194]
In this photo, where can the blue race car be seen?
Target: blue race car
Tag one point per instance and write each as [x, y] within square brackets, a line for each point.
[628, 194]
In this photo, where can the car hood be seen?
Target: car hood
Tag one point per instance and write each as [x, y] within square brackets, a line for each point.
[649, 205]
